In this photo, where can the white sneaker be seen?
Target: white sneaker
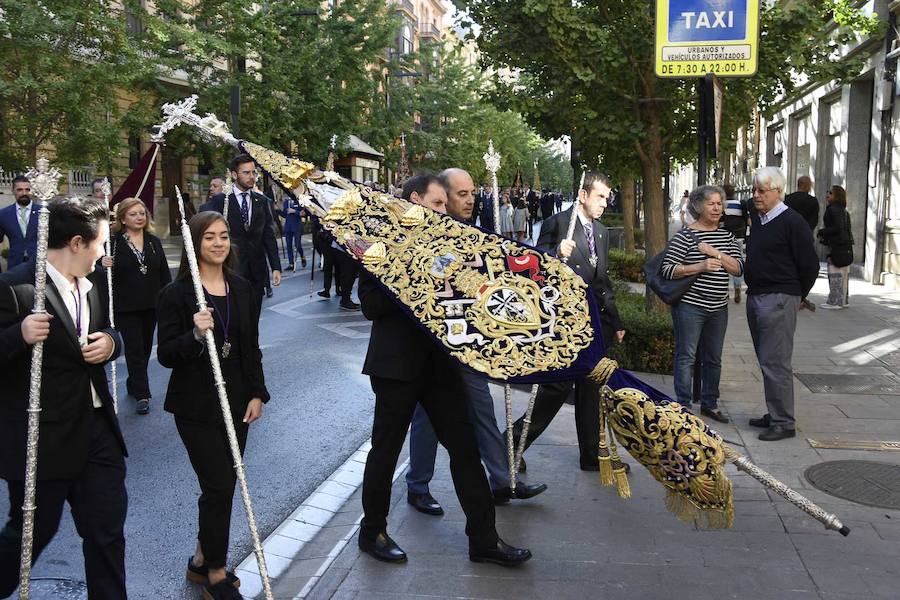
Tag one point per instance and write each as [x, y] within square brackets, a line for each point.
[827, 306]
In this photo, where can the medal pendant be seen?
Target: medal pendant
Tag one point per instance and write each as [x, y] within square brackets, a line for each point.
[593, 261]
[226, 349]
[143, 269]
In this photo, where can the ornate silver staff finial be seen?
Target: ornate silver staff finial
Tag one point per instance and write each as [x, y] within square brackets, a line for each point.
[211, 128]
[44, 180]
[227, 189]
[175, 113]
[106, 189]
[333, 142]
[224, 405]
[44, 185]
[492, 160]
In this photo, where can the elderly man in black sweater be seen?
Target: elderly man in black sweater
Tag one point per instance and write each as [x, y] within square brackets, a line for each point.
[780, 269]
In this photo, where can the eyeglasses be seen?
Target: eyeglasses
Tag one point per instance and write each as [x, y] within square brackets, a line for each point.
[762, 190]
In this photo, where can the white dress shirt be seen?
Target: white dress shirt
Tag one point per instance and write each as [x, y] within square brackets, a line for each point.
[772, 214]
[68, 293]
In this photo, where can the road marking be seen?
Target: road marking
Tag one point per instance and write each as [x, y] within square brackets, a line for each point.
[348, 330]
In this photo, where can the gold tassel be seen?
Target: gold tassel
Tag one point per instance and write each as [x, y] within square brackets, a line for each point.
[617, 473]
[604, 459]
[711, 518]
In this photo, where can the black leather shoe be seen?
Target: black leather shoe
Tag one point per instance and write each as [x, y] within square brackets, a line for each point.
[523, 491]
[382, 548]
[764, 421]
[714, 414]
[324, 294]
[500, 554]
[349, 305]
[775, 433]
[425, 503]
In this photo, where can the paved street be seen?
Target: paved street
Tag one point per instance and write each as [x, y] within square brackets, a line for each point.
[590, 544]
[587, 542]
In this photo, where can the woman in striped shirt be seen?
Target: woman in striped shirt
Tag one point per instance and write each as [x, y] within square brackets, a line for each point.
[701, 316]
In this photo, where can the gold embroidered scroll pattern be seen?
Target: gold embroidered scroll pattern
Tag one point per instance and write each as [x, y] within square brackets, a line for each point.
[680, 451]
[511, 324]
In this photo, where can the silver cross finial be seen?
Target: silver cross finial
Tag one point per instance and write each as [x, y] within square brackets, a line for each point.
[175, 113]
[333, 142]
[106, 189]
[491, 158]
[44, 180]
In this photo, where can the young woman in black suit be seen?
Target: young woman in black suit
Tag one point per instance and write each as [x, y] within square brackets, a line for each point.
[140, 271]
[192, 396]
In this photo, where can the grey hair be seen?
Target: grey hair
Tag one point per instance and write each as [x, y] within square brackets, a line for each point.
[770, 177]
[699, 195]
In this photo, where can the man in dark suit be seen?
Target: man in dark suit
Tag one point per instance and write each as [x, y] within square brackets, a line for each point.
[485, 209]
[547, 205]
[804, 203]
[407, 367]
[81, 453]
[587, 254]
[18, 222]
[251, 227]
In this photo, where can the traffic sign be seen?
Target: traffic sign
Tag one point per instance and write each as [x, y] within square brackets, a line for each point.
[696, 37]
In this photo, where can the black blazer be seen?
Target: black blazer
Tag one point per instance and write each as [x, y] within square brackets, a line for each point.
[254, 245]
[398, 347]
[192, 393]
[66, 407]
[133, 291]
[553, 231]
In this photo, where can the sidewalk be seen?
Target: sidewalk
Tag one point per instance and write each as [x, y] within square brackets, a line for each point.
[587, 543]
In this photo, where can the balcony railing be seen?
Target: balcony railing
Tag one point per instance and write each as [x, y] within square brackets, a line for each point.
[429, 31]
[407, 6]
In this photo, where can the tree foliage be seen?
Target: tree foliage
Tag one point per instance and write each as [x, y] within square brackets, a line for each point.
[587, 69]
[63, 63]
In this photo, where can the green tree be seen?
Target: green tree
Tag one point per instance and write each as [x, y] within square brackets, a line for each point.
[64, 64]
[587, 69]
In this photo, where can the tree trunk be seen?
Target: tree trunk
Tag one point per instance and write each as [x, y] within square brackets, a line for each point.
[655, 234]
[628, 211]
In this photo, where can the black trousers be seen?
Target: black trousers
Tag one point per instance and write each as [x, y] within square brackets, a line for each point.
[136, 329]
[346, 272]
[551, 397]
[440, 390]
[330, 268]
[207, 448]
[99, 503]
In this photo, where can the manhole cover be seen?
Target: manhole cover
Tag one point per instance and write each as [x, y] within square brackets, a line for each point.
[876, 385]
[58, 589]
[862, 481]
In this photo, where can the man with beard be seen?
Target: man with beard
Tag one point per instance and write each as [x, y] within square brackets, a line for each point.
[18, 222]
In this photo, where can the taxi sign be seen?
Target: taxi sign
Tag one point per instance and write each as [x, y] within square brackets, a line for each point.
[696, 37]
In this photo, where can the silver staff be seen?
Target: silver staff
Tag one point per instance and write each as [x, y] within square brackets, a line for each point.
[223, 401]
[227, 189]
[492, 163]
[573, 218]
[43, 185]
[829, 520]
[107, 190]
[513, 453]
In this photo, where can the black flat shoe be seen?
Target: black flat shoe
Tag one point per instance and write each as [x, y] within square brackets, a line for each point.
[777, 432]
[382, 548]
[764, 421]
[143, 406]
[324, 294]
[221, 591]
[201, 574]
[424, 503]
[500, 554]
[714, 414]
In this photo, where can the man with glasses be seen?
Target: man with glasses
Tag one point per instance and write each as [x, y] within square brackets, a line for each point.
[251, 228]
[780, 269]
